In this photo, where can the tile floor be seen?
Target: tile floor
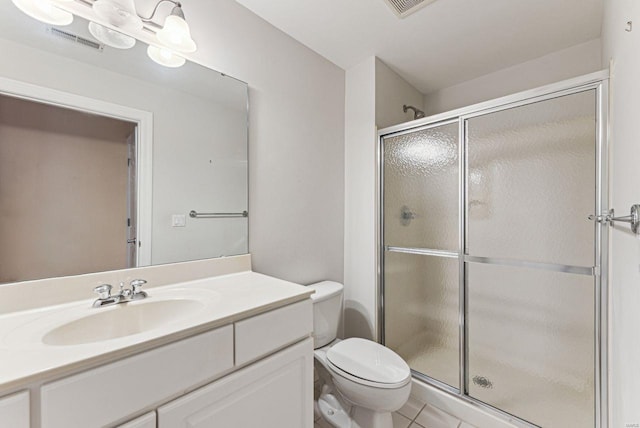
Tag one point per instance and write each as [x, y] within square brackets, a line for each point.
[416, 415]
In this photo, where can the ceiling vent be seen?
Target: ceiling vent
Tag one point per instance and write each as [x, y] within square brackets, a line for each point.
[75, 39]
[404, 8]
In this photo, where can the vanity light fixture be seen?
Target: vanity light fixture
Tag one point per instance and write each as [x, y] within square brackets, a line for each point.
[165, 56]
[45, 11]
[175, 33]
[111, 37]
[173, 37]
[119, 13]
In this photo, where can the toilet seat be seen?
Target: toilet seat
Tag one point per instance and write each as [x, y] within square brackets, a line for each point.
[368, 363]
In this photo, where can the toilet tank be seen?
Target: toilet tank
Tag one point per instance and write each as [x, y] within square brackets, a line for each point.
[327, 310]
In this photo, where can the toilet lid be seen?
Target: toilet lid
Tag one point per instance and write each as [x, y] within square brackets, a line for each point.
[369, 361]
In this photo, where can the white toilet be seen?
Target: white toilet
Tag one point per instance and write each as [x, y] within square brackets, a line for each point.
[364, 382]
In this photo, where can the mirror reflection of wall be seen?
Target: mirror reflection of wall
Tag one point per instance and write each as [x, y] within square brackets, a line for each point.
[197, 128]
[64, 183]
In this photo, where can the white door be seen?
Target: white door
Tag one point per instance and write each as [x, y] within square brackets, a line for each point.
[132, 217]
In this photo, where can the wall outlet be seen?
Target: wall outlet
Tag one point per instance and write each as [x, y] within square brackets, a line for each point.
[178, 220]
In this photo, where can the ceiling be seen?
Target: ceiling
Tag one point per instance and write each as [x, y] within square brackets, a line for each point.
[442, 44]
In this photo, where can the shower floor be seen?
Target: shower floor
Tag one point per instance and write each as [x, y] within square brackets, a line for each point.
[551, 402]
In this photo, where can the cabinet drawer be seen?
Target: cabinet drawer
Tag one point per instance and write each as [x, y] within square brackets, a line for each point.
[104, 395]
[14, 410]
[261, 335]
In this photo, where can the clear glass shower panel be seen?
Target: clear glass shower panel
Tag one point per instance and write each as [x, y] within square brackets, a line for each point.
[531, 181]
[531, 343]
[421, 189]
[421, 313]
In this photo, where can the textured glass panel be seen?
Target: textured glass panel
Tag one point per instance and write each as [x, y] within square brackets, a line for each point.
[531, 182]
[421, 313]
[531, 343]
[421, 189]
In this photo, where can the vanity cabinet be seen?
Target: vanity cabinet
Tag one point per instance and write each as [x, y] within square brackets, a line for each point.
[14, 410]
[255, 372]
[276, 392]
[104, 395]
[145, 421]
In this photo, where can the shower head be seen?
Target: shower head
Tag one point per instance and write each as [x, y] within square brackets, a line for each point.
[417, 114]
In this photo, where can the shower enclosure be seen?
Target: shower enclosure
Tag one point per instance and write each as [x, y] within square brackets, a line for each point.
[492, 277]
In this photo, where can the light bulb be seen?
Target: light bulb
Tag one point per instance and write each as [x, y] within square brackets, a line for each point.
[44, 11]
[43, 6]
[110, 37]
[176, 35]
[119, 13]
[165, 56]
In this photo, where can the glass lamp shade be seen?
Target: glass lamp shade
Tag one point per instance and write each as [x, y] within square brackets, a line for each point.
[164, 56]
[119, 13]
[45, 11]
[176, 35]
[110, 37]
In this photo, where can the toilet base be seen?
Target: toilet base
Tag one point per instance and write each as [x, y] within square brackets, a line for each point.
[340, 415]
[333, 411]
[368, 418]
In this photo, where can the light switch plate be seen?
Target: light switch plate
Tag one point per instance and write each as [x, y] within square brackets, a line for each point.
[178, 220]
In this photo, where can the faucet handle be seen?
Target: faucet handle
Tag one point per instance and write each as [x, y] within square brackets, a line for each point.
[103, 291]
[137, 284]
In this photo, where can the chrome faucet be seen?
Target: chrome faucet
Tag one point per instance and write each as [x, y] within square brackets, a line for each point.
[105, 298]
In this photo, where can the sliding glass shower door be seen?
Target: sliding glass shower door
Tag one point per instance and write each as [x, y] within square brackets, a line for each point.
[421, 229]
[490, 265]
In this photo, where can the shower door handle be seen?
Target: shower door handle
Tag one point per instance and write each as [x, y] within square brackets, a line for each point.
[605, 218]
[633, 218]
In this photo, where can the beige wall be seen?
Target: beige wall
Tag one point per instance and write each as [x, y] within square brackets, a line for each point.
[61, 173]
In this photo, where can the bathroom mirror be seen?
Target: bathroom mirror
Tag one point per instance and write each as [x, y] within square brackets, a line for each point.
[186, 133]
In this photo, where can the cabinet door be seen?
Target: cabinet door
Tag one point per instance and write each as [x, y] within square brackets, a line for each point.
[146, 421]
[276, 392]
[14, 410]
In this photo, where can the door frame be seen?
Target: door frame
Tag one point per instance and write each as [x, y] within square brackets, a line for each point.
[144, 142]
[598, 81]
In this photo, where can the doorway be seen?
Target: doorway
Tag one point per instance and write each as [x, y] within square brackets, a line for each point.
[65, 191]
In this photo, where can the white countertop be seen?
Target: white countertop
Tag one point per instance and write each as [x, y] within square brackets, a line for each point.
[226, 299]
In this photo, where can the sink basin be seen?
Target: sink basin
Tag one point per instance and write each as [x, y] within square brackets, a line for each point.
[121, 320]
[164, 311]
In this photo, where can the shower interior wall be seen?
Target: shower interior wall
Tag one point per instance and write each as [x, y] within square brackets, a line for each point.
[392, 93]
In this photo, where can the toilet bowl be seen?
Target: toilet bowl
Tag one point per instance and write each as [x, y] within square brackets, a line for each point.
[364, 382]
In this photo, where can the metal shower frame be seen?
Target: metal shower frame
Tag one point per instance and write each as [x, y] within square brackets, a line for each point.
[598, 81]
